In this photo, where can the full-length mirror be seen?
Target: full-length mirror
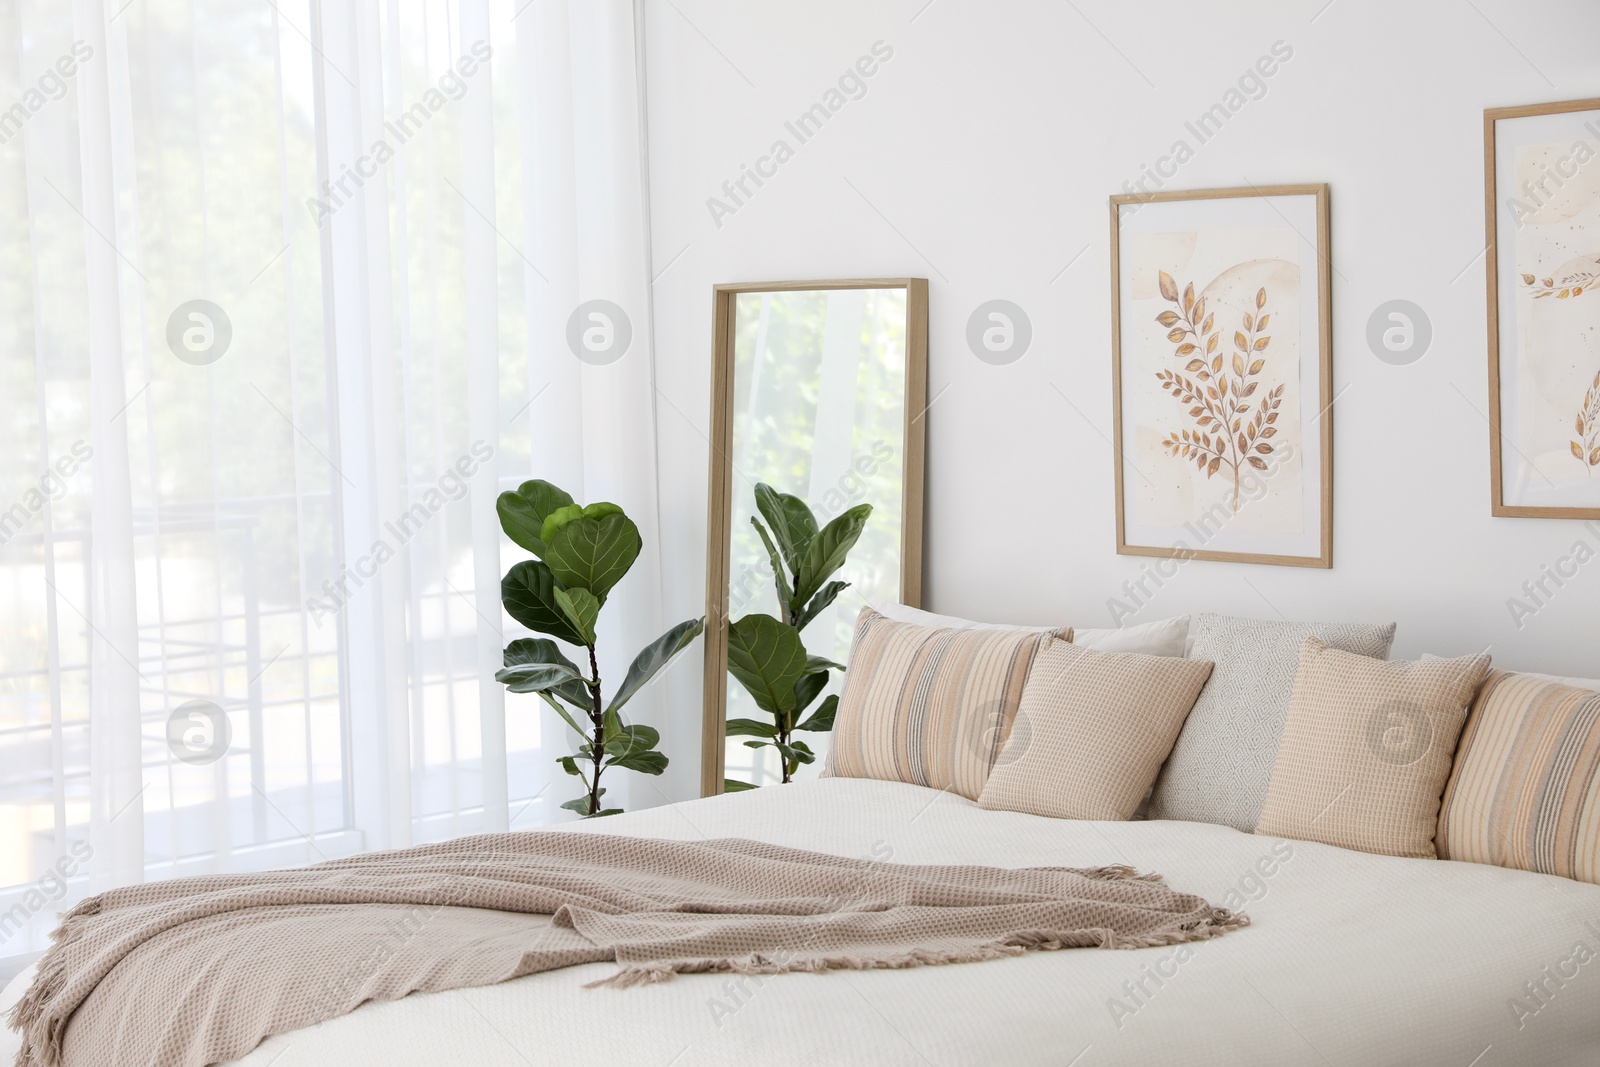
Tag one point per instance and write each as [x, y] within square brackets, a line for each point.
[818, 404]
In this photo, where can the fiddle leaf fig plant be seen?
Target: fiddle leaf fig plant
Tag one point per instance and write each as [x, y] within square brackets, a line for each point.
[581, 554]
[765, 653]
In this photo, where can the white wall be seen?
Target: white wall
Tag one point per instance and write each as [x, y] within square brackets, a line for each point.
[981, 157]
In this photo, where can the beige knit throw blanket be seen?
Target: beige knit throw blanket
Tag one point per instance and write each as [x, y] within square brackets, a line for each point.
[200, 970]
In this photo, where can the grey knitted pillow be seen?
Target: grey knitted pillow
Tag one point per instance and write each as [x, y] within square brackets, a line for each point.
[1222, 763]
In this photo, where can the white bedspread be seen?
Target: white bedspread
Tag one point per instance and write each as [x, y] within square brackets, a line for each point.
[1352, 959]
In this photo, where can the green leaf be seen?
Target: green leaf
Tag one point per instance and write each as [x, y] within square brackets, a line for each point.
[656, 655]
[529, 593]
[532, 652]
[536, 651]
[733, 785]
[791, 520]
[581, 609]
[824, 597]
[767, 658]
[822, 720]
[632, 739]
[522, 513]
[534, 678]
[600, 509]
[581, 805]
[557, 519]
[799, 752]
[643, 762]
[806, 690]
[827, 551]
[534, 665]
[606, 811]
[757, 744]
[821, 665]
[780, 577]
[750, 728]
[592, 553]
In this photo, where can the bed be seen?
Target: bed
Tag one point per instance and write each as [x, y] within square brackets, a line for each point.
[1350, 958]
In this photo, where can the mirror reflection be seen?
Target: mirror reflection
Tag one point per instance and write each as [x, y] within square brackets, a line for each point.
[817, 508]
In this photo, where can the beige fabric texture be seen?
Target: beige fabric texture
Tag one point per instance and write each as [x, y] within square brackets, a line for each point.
[196, 971]
[1091, 732]
[1366, 749]
[1525, 789]
[929, 706]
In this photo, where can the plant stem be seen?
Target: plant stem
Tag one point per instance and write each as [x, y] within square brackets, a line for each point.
[792, 618]
[597, 717]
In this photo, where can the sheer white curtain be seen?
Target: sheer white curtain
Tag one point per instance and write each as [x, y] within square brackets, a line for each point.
[286, 302]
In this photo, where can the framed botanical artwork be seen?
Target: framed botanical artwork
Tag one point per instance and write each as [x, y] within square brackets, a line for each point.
[1222, 375]
[1541, 173]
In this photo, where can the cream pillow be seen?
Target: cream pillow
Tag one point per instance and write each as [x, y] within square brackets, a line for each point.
[1091, 732]
[929, 706]
[1366, 749]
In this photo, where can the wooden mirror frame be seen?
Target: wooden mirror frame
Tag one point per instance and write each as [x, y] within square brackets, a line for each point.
[719, 533]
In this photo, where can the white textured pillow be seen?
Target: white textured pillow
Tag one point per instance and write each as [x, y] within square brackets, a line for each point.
[918, 617]
[1222, 762]
[1165, 637]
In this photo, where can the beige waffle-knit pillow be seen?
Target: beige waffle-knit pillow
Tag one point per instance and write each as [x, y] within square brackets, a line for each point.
[1525, 791]
[1367, 748]
[1092, 731]
[929, 706]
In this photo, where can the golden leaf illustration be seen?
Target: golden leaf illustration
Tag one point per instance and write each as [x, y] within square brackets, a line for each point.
[1586, 449]
[1566, 288]
[1217, 401]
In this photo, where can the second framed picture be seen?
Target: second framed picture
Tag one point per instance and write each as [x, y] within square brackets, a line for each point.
[1222, 375]
[1542, 198]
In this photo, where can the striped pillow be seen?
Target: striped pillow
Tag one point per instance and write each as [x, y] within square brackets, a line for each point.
[1525, 791]
[929, 706]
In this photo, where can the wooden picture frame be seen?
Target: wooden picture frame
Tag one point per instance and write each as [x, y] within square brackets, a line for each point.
[1310, 544]
[1541, 129]
[720, 484]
